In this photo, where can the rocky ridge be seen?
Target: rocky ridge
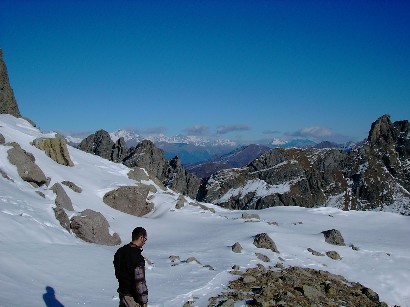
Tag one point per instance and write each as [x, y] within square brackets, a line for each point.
[372, 176]
[144, 155]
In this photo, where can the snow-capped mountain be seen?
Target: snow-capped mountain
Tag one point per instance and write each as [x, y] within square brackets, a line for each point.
[190, 149]
[51, 264]
[132, 138]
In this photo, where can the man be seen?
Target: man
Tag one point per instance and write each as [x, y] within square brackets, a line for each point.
[129, 267]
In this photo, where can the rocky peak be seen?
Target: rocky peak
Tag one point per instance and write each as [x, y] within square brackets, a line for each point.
[382, 131]
[8, 103]
[99, 143]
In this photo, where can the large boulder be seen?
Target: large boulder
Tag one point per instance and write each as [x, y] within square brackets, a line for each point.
[130, 199]
[262, 240]
[8, 103]
[91, 226]
[62, 200]
[55, 148]
[333, 236]
[27, 169]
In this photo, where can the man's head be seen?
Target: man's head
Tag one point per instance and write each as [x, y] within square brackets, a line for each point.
[139, 236]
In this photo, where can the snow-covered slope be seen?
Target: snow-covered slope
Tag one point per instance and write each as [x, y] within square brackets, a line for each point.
[36, 253]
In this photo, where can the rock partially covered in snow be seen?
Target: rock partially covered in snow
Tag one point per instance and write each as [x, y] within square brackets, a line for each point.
[91, 226]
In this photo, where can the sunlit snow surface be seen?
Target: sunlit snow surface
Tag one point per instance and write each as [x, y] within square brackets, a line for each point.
[36, 252]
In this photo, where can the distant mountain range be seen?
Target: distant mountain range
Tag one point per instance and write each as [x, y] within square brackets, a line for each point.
[237, 158]
[193, 150]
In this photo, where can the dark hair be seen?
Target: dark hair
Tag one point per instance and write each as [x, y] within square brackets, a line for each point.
[138, 232]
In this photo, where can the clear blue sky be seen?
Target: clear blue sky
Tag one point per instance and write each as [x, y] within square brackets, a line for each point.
[231, 69]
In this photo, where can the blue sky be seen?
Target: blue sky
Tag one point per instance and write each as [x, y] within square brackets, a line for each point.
[246, 70]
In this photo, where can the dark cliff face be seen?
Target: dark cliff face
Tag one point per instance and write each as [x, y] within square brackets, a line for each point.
[8, 103]
[374, 175]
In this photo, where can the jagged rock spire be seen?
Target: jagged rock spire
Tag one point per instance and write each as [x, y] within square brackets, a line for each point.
[382, 130]
[8, 103]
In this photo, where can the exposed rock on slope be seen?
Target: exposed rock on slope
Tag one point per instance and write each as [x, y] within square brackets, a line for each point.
[100, 144]
[8, 103]
[131, 199]
[27, 168]
[55, 148]
[374, 175]
[91, 226]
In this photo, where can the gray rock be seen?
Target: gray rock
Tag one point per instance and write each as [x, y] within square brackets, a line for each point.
[174, 258]
[172, 174]
[8, 103]
[2, 139]
[119, 150]
[91, 226]
[249, 279]
[263, 240]
[237, 248]
[192, 259]
[138, 174]
[333, 236]
[55, 148]
[333, 255]
[312, 294]
[72, 186]
[99, 144]
[146, 155]
[262, 257]
[62, 200]
[176, 177]
[180, 202]
[226, 303]
[130, 199]
[315, 253]
[250, 216]
[27, 169]
[62, 217]
[4, 175]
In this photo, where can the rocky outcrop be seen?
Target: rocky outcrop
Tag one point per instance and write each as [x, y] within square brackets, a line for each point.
[177, 178]
[2, 139]
[55, 148]
[372, 176]
[91, 226]
[99, 144]
[27, 169]
[8, 103]
[295, 286]
[130, 199]
[147, 156]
